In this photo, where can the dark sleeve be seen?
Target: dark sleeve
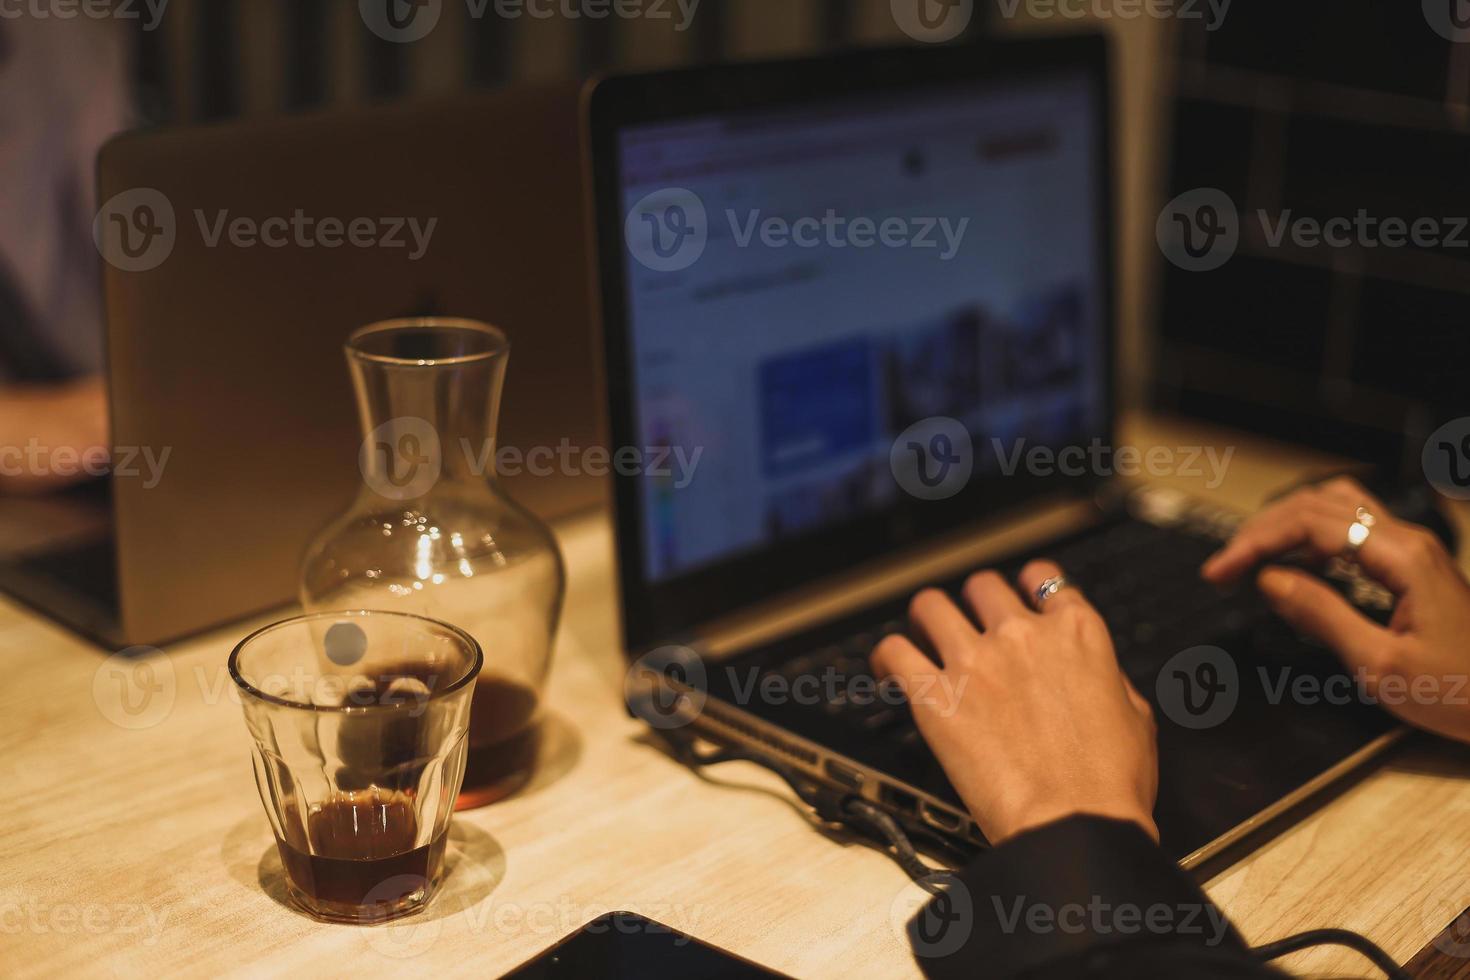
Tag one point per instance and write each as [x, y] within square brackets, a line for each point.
[25, 354]
[1083, 897]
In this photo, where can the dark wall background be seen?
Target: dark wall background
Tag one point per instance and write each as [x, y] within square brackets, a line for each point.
[1323, 109]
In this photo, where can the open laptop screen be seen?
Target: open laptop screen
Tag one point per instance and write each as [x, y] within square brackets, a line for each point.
[854, 294]
[865, 265]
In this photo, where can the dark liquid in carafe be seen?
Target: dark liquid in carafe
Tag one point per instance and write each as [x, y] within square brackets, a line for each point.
[504, 740]
[362, 852]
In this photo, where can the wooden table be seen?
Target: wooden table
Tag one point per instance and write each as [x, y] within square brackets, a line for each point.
[135, 844]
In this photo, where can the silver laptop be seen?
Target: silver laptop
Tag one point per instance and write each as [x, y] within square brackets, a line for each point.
[239, 259]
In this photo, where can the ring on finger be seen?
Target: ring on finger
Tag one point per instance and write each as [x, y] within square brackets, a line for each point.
[1359, 531]
[1049, 588]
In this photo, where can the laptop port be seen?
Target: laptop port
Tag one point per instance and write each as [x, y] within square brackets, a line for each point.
[897, 799]
[846, 775]
[941, 819]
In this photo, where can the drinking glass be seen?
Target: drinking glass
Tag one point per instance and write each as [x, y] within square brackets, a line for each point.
[359, 720]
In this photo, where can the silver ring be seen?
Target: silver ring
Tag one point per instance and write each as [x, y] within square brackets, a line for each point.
[1359, 530]
[1049, 588]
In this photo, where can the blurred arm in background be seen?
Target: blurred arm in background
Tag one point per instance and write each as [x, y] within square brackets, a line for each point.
[65, 91]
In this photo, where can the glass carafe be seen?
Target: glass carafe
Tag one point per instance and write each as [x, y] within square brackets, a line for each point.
[432, 533]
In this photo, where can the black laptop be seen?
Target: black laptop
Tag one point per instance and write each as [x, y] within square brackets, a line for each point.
[870, 299]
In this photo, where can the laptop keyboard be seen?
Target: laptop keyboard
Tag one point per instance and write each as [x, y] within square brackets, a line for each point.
[1145, 582]
[88, 569]
[1143, 579]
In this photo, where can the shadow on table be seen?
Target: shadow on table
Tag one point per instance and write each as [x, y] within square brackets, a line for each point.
[560, 751]
[731, 778]
[1426, 755]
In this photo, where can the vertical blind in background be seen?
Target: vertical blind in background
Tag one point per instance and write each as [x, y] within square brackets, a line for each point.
[210, 60]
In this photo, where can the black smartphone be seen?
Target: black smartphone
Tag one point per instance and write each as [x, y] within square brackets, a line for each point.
[624, 946]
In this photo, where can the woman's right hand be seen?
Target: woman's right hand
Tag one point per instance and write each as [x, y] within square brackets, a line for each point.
[1418, 667]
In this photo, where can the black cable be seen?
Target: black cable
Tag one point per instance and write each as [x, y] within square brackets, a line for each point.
[904, 853]
[832, 806]
[871, 821]
[1334, 937]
